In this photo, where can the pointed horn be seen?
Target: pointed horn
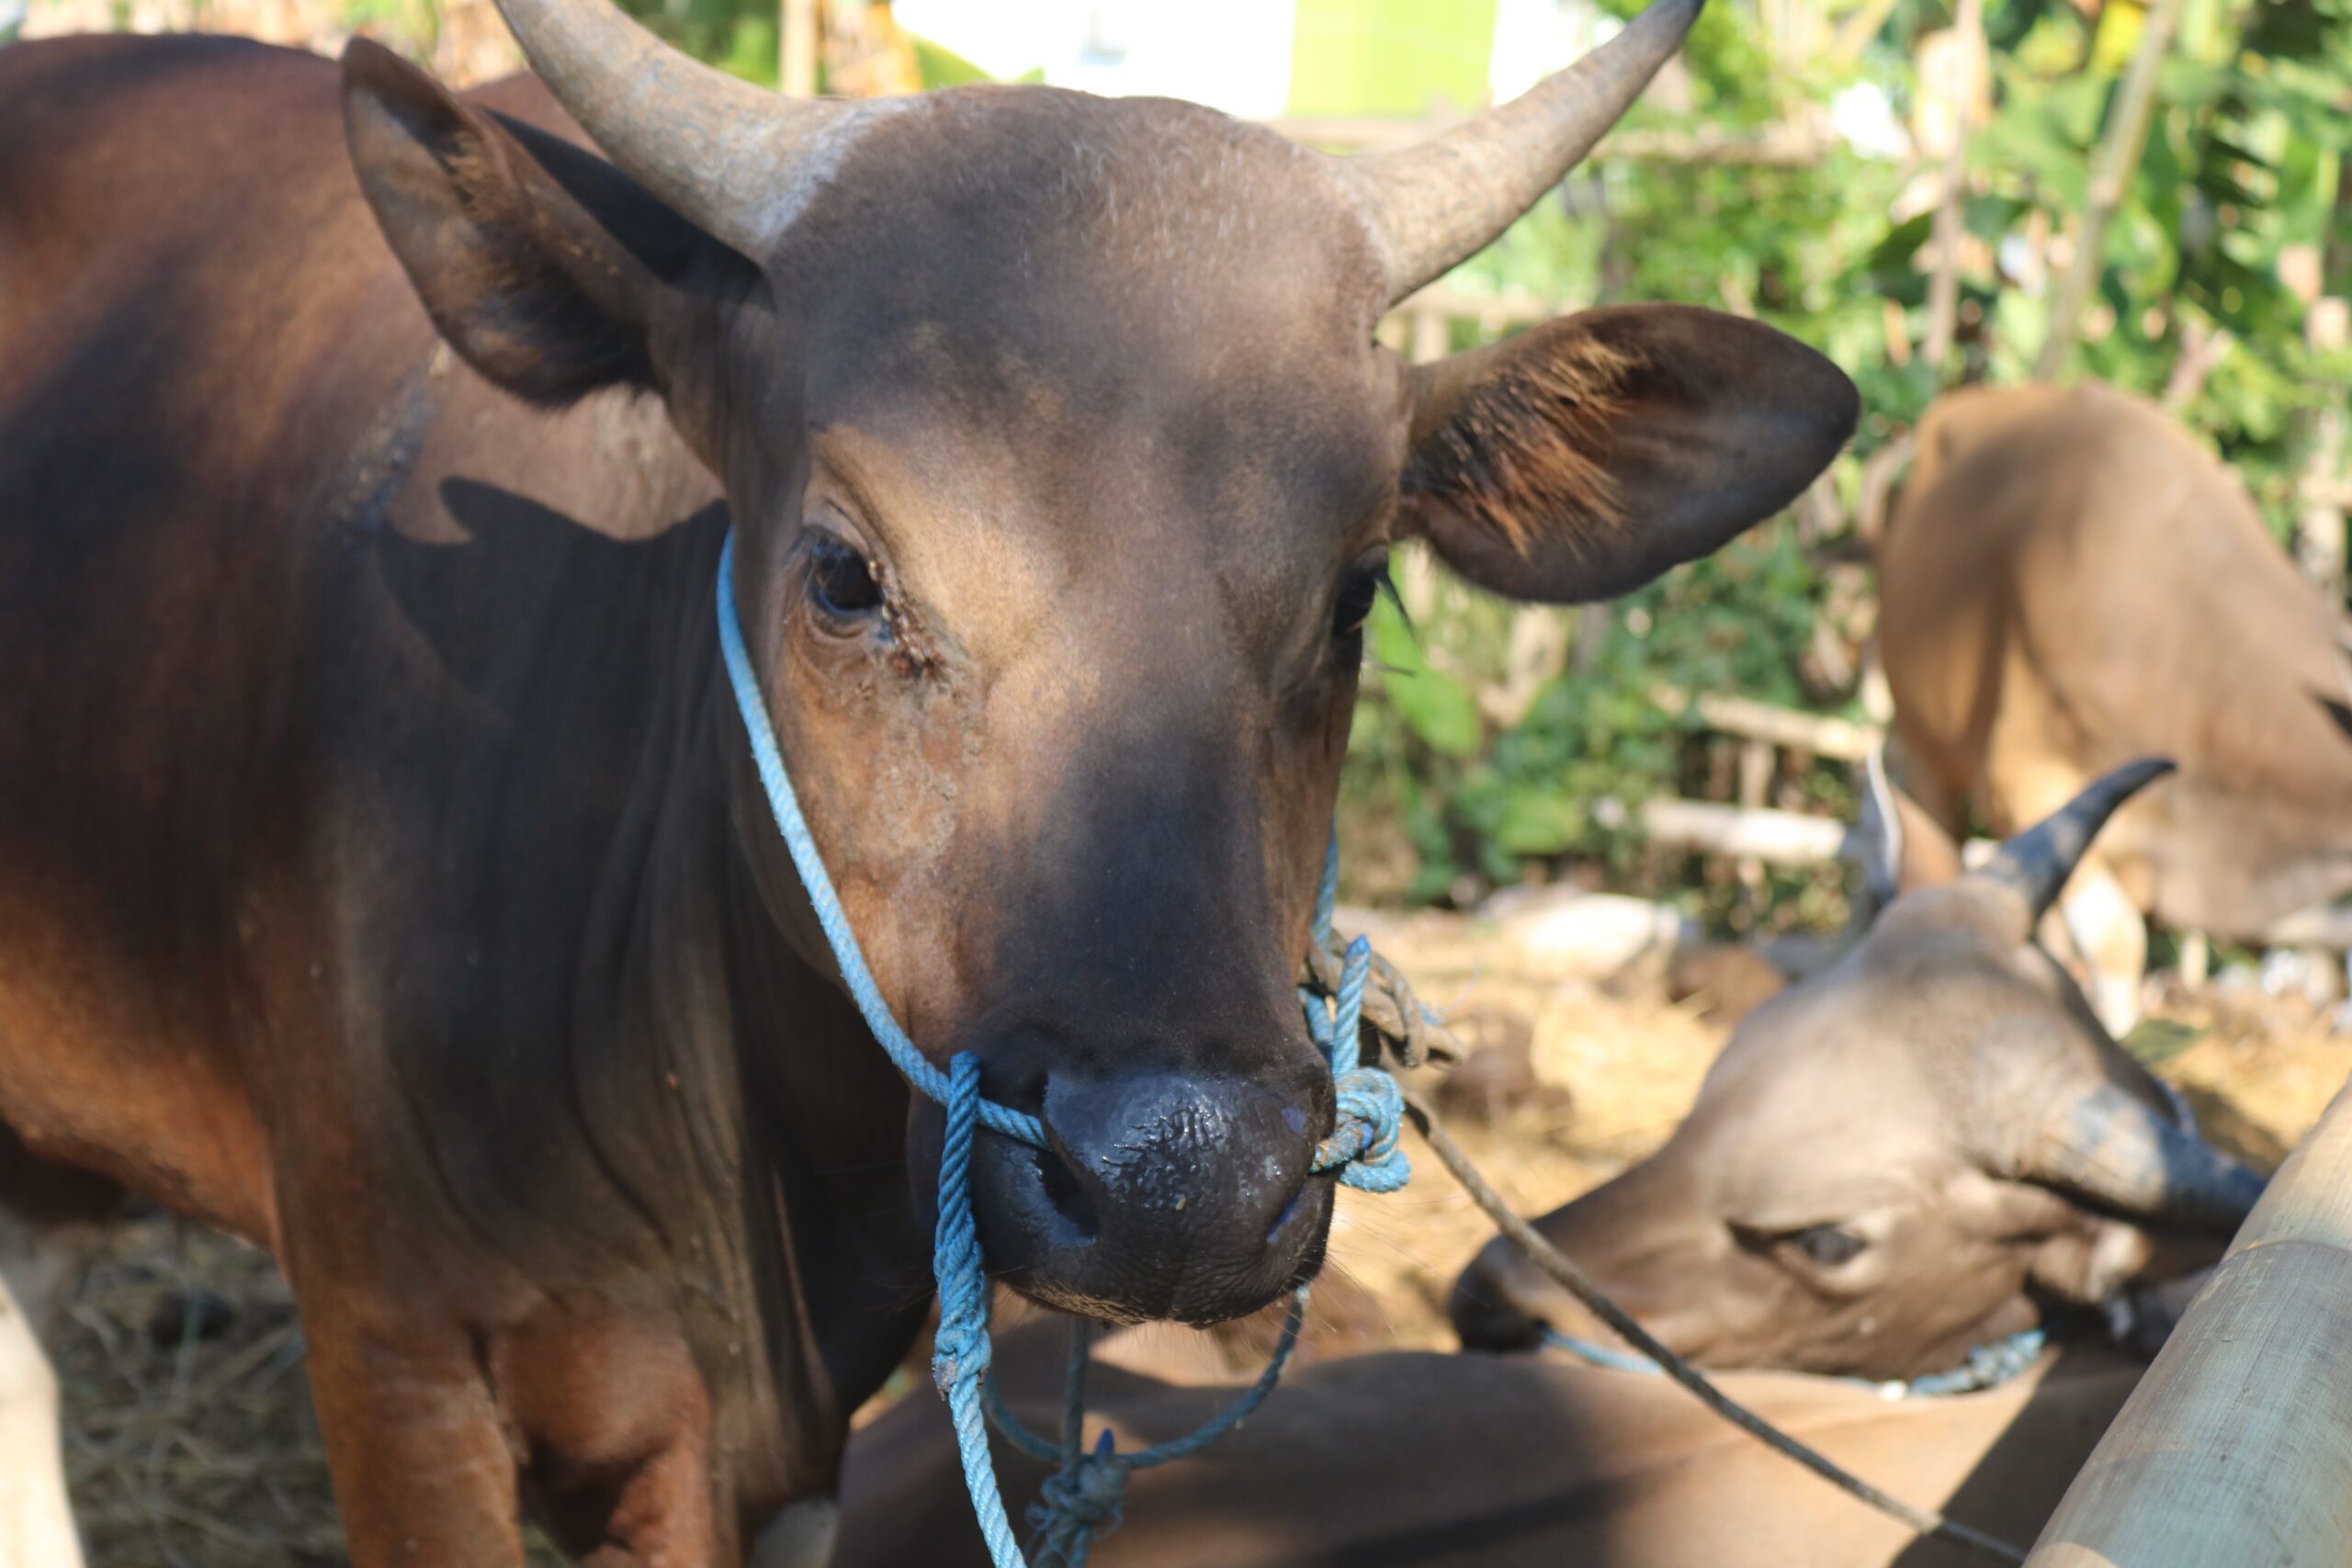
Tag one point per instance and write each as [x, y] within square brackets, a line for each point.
[2115, 1149]
[2037, 862]
[1881, 831]
[1446, 199]
[718, 150]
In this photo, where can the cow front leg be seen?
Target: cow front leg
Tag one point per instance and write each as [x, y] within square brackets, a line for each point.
[422, 1472]
[36, 1516]
[2112, 936]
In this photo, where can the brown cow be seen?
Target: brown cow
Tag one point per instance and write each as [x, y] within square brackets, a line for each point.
[382, 873]
[1927, 1146]
[2070, 579]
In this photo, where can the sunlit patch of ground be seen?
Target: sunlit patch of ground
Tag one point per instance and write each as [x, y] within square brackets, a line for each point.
[192, 1445]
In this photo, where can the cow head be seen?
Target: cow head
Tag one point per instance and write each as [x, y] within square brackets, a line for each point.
[1065, 468]
[1919, 1150]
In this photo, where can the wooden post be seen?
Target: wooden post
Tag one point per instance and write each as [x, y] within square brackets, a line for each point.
[2119, 157]
[1943, 287]
[2237, 1446]
[2319, 527]
[1432, 333]
[796, 68]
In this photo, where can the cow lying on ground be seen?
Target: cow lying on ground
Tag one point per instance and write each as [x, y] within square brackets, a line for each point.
[383, 875]
[1922, 1149]
[1420, 1460]
[1917, 1152]
[2068, 581]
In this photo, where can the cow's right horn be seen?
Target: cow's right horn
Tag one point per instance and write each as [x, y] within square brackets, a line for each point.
[1446, 199]
[720, 151]
[2123, 1153]
[2037, 862]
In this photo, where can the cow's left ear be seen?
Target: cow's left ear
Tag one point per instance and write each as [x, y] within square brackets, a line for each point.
[1584, 457]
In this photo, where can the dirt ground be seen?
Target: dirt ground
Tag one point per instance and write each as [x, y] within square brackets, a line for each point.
[191, 1442]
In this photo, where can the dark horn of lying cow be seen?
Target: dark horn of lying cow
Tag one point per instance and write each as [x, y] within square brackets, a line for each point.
[2037, 862]
[2121, 1153]
[712, 146]
[1446, 199]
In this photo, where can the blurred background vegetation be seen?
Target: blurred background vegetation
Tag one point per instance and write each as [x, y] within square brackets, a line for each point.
[1792, 165]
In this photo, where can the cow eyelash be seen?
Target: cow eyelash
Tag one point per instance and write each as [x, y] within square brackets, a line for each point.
[1364, 586]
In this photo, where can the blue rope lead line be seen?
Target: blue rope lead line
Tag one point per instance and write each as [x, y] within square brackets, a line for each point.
[1362, 1149]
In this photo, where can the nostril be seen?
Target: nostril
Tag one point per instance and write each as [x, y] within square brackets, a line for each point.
[1068, 1197]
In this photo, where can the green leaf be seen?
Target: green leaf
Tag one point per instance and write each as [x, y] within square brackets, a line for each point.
[1439, 709]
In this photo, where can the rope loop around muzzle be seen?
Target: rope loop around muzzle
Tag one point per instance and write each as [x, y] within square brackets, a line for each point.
[1364, 1151]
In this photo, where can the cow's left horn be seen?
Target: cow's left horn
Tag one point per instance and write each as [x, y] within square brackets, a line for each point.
[718, 150]
[1447, 200]
[2123, 1153]
[2037, 862]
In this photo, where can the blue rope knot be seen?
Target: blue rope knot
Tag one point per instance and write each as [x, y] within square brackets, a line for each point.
[1077, 1502]
[1365, 1145]
[1362, 1149]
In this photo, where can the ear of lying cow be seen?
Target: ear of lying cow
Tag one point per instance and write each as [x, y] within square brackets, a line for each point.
[539, 262]
[1583, 458]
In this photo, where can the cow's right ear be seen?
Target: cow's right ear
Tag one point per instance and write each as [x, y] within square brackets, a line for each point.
[541, 263]
[1585, 456]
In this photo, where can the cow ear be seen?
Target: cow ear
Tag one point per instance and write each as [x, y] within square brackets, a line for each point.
[541, 263]
[1584, 457]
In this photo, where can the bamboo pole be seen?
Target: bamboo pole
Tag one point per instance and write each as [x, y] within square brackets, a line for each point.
[2236, 1447]
[2118, 158]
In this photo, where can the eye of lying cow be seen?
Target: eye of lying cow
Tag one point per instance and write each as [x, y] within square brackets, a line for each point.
[1827, 1246]
[840, 579]
[1358, 591]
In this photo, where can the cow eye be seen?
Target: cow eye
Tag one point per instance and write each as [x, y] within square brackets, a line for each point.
[840, 579]
[1359, 589]
[1827, 1246]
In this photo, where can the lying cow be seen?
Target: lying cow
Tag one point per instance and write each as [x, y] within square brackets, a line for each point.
[1418, 1461]
[1923, 1150]
[2070, 579]
[383, 873]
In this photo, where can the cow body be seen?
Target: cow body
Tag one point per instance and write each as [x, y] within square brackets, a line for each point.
[2070, 581]
[1482, 1461]
[339, 915]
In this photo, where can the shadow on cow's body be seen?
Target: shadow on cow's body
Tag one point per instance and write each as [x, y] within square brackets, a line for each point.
[384, 876]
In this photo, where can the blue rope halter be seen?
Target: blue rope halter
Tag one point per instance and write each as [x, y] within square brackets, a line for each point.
[1363, 1150]
[1985, 1366]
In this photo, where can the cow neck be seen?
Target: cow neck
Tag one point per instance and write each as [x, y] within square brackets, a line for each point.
[787, 1127]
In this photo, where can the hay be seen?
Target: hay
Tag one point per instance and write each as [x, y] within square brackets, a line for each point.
[200, 1450]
